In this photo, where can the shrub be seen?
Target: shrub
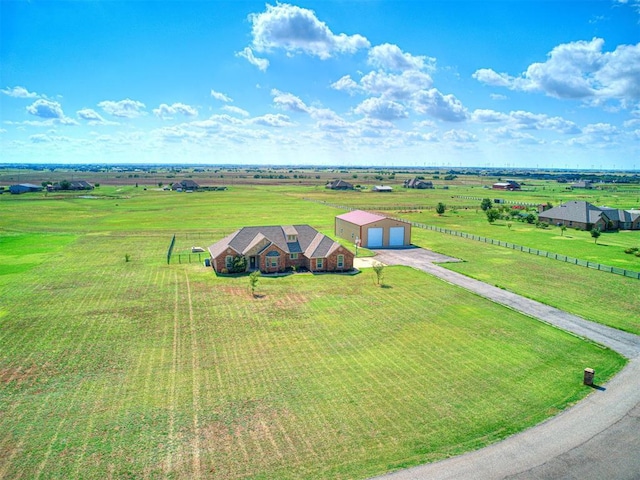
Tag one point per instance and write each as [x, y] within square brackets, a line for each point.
[631, 250]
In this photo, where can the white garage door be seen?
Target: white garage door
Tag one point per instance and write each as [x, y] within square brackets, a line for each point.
[396, 236]
[374, 237]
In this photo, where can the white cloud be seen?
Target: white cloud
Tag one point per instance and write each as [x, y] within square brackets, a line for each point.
[288, 101]
[168, 111]
[579, 70]
[501, 134]
[346, 84]
[381, 109]
[221, 96]
[236, 110]
[488, 116]
[124, 108]
[50, 111]
[46, 109]
[93, 117]
[296, 29]
[271, 120]
[442, 107]
[19, 92]
[398, 87]
[390, 57]
[459, 136]
[261, 63]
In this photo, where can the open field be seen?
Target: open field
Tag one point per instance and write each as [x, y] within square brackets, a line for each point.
[142, 369]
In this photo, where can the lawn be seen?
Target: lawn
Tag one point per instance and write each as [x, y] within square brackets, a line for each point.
[133, 369]
[142, 369]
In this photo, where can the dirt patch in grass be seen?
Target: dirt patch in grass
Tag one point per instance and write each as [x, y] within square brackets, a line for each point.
[19, 374]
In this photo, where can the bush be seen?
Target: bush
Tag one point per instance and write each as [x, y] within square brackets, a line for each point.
[631, 250]
[224, 271]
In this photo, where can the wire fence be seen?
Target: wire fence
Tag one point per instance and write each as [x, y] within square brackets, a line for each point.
[534, 251]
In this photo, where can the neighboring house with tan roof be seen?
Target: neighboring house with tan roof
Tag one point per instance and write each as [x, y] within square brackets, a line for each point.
[371, 230]
[584, 215]
[279, 248]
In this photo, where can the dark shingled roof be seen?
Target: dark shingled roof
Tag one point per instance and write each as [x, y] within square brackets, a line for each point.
[309, 241]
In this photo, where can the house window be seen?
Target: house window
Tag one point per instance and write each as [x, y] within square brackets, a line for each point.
[292, 238]
[228, 261]
[294, 256]
[340, 261]
[319, 262]
[273, 262]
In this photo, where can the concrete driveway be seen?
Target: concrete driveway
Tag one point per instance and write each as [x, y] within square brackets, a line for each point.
[597, 438]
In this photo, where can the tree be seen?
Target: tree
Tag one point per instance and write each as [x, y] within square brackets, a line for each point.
[486, 204]
[492, 215]
[595, 233]
[253, 281]
[239, 264]
[65, 185]
[509, 225]
[562, 229]
[378, 269]
[440, 208]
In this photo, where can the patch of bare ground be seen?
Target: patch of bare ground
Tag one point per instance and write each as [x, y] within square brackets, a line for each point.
[22, 375]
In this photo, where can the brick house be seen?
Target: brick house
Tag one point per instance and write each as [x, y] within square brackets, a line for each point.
[274, 249]
[585, 216]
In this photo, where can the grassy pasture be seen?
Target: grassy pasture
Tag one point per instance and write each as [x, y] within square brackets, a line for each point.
[143, 370]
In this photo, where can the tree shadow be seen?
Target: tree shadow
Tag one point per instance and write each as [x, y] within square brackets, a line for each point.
[386, 286]
[597, 387]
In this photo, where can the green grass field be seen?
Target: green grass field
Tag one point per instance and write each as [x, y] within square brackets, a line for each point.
[139, 369]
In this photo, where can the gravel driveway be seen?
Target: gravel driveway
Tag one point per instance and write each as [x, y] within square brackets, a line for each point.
[597, 438]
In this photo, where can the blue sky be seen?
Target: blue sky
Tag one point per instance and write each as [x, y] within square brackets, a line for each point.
[505, 83]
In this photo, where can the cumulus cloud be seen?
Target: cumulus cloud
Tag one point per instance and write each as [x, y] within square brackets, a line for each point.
[261, 63]
[346, 84]
[488, 116]
[93, 117]
[124, 108]
[381, 109]
[50, 111]
[295, 29]
[271, 120]
[442, 107]
[288, 101]
[392, 86]
[45, 109]
[459, 136]
[521, 120]
[221, 96]
[235, 110]
[578, 70]
[390, 57]
[169, 111]
[19, 92]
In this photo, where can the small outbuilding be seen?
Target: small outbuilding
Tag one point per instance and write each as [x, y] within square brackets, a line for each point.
[371, 230]
[24, 188]
[382, 188]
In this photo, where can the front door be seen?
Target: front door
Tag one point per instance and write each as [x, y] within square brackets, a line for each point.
[252, 263]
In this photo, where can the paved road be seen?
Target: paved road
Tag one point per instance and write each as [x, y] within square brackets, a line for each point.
[597, 438]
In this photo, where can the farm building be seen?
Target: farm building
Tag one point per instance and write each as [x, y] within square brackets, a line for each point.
[417, 183]
[185, 185]
[339, 185]
[382, 188]
[583, 215]
[24, 188]
[371, 230]
[506, 185]
[588, 184]
[279, 248]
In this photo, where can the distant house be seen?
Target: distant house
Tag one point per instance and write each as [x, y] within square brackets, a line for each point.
[24, 188]
[416, 183]
[339, 185]
[72, 185]
[588, 184]
[371, 230]
[185, 185]
[382, 188]
[278, 248]
[509, 185]
[585, 216]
